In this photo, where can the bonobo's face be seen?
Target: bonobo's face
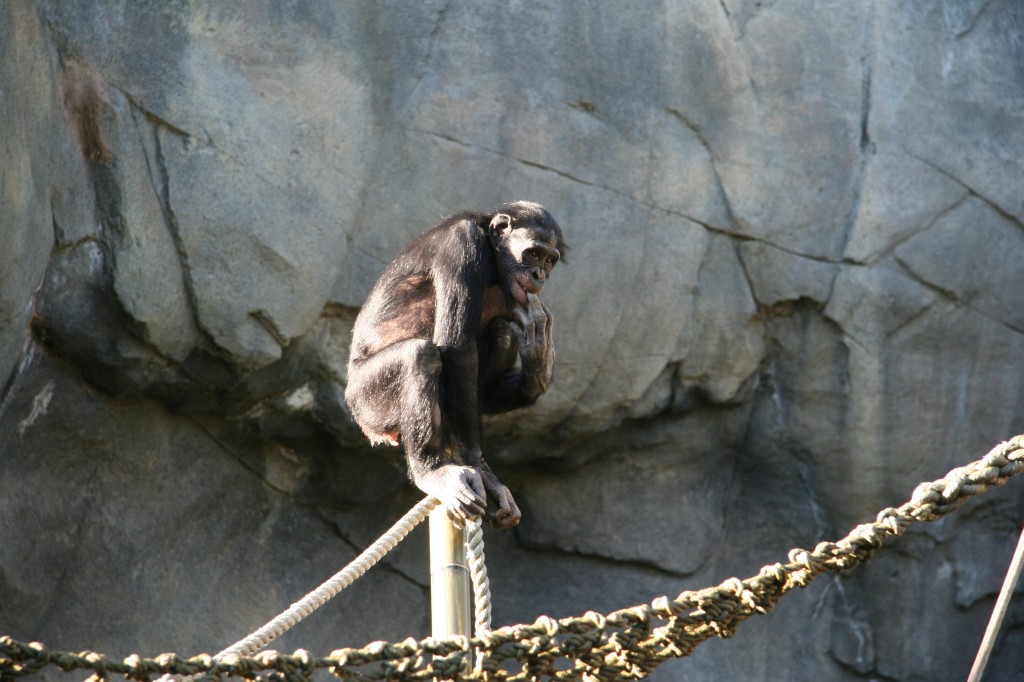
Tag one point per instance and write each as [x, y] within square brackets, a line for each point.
[535, 254]
[528, 243]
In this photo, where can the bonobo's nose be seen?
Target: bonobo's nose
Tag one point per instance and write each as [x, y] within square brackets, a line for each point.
[537, 275]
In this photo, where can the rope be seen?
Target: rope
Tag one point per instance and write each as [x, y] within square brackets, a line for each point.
[336, 583]
[355, 569]
[629, 643]
[298, 611]
[478, 575]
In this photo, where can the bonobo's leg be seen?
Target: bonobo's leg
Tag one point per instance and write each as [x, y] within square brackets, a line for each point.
[507, 514]
[396, 391]
[376, 385]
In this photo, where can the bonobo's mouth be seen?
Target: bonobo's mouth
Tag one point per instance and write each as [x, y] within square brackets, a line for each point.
[521, 284]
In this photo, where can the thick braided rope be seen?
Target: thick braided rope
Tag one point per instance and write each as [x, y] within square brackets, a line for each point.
[478, 575]
[333, 585]
[629, 643]
[298, 611]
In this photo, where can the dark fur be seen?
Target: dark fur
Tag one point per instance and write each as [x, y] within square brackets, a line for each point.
[432, 349]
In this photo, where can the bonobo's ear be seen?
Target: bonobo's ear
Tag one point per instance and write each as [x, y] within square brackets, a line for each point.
[501, 225]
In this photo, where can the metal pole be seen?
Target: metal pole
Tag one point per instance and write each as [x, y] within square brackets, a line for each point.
[449, 577]
[989, 640]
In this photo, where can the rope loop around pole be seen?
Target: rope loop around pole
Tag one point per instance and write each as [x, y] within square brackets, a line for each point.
[478, 576]
[481, 587]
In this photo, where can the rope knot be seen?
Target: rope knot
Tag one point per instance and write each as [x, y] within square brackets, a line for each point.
[595, 619]
[888, 518]
[548, 625]
[955, 483]
[660, 606]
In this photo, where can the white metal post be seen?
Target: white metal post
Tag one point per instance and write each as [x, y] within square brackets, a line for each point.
[449, 577]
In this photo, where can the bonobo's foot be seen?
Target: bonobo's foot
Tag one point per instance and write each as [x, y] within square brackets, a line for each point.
[458, 487]
[507, 514]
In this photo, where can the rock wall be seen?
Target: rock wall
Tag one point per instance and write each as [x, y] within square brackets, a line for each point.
[794, 292]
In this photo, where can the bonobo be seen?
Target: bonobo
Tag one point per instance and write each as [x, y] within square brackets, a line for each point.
[435, 346]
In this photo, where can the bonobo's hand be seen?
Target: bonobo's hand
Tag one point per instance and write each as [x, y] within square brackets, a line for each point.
[459, 488]
[533, 331]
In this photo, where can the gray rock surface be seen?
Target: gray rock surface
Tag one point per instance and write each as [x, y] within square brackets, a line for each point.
[793, 293]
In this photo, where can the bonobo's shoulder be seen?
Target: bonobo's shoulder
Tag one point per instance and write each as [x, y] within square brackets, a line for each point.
[466, 225]
[464, 230]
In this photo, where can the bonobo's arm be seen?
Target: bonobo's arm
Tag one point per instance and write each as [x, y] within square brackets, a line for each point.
[458, 285]
[532, 330]
[457, 276]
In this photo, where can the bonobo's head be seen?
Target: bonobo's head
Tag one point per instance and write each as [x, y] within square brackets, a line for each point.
[527, 242]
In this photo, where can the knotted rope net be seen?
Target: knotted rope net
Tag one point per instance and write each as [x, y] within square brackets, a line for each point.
[629, 643]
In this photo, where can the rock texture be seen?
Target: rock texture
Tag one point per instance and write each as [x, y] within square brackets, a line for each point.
[794, 292]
